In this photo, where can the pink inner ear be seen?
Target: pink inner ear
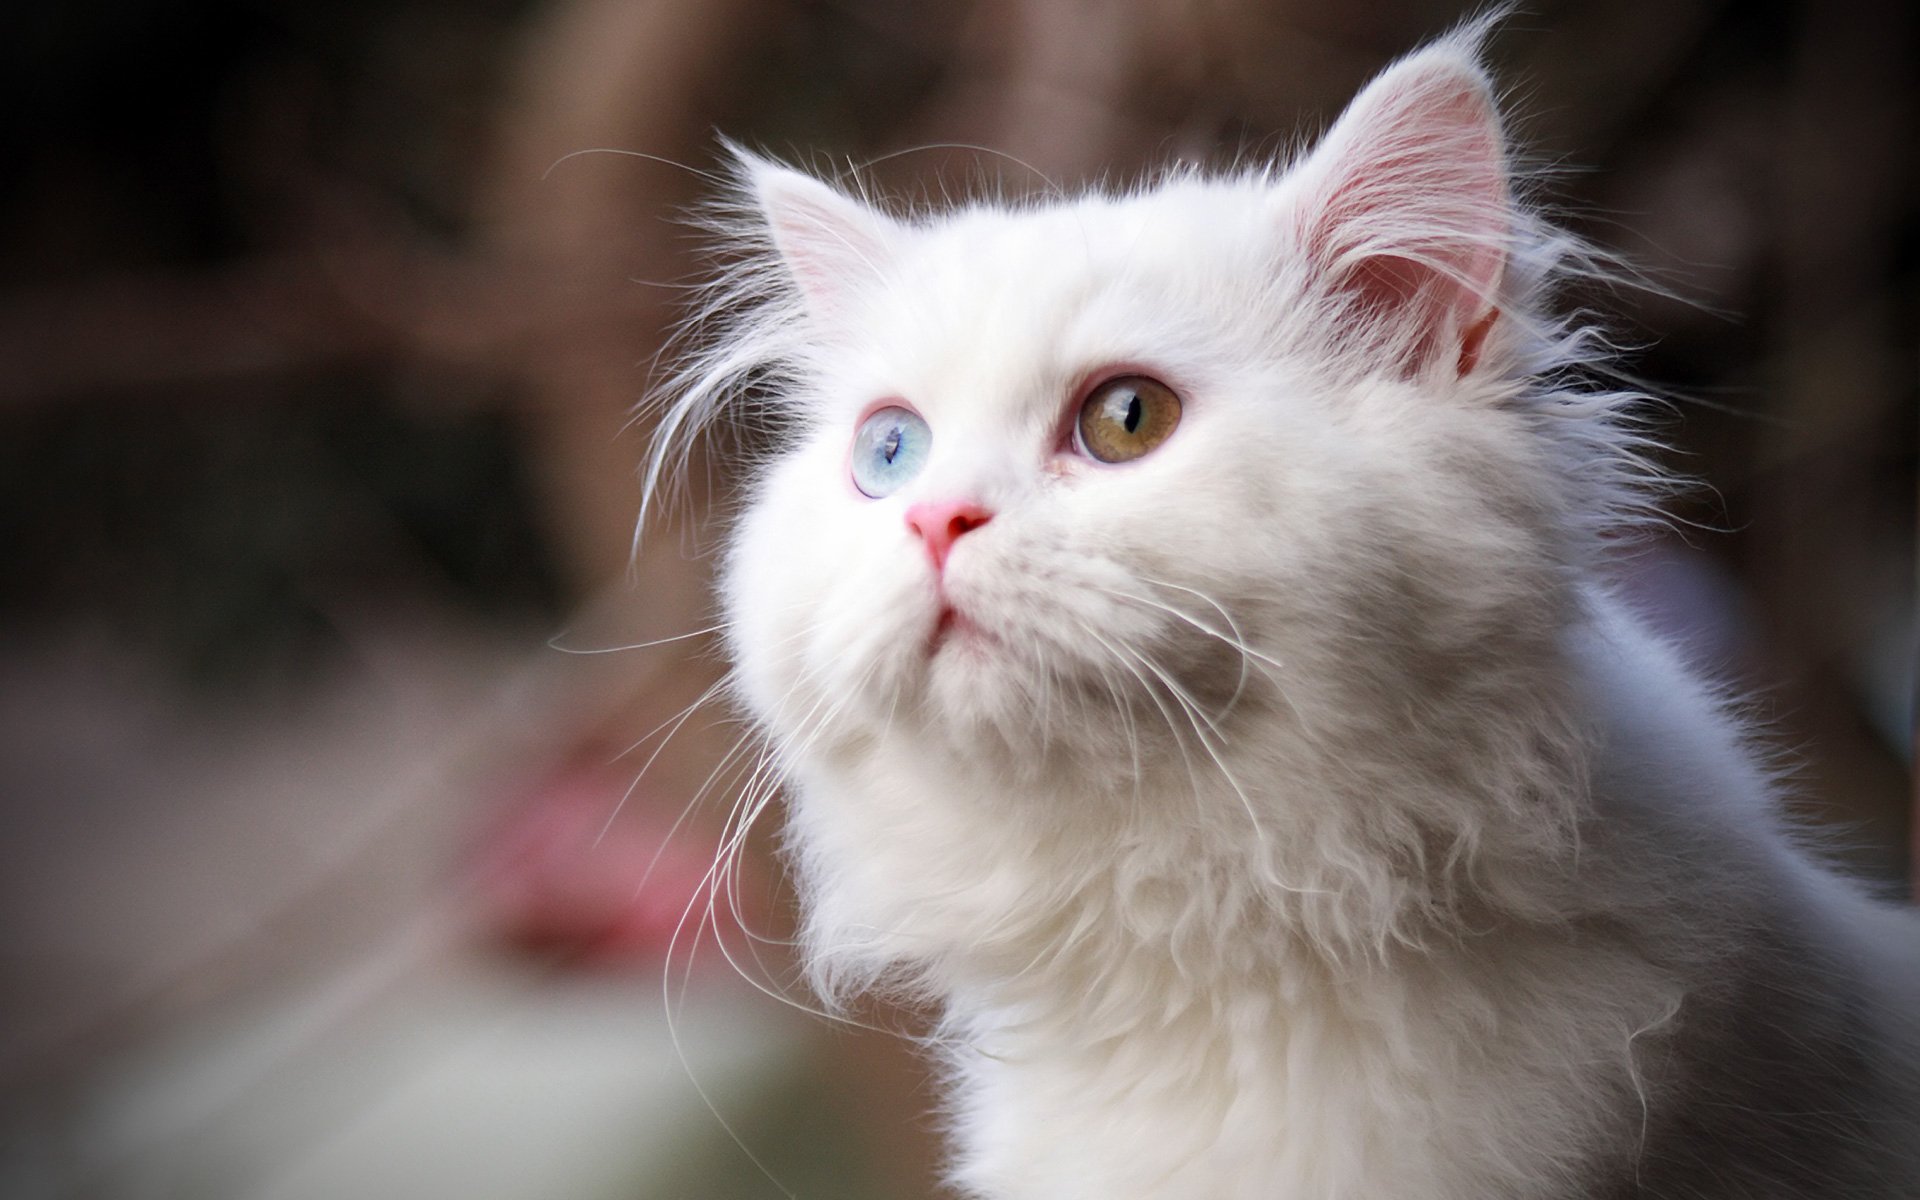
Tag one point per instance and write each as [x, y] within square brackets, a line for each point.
[1413, 218]
[1387, 290]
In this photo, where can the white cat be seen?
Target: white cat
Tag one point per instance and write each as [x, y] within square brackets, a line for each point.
[1180, 618]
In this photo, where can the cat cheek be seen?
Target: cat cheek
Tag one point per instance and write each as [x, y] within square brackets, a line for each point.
[868, 645]
[823, 615]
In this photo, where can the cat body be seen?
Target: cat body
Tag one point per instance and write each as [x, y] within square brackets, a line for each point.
[1285, 810]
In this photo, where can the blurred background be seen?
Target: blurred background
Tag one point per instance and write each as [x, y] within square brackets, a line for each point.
[327, 801]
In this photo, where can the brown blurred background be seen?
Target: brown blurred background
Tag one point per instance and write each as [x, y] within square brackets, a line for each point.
[324, 866]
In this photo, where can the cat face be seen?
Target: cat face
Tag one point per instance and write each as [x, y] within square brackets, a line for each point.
[996, 330]
[1095, 479]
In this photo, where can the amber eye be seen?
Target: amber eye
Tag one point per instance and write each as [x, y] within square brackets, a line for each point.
[1127, 416]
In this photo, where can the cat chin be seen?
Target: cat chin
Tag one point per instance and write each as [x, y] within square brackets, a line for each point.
[976, 698]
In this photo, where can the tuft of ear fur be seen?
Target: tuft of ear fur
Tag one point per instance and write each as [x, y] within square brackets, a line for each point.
[829, 242]
[1406, 212]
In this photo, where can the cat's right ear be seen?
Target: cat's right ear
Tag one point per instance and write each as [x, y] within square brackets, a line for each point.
[831, 244]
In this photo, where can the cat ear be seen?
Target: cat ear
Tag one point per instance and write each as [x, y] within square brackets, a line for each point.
[830, 243]
[1406, 215]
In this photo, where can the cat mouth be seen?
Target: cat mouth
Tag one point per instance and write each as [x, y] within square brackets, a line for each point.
[952, 625]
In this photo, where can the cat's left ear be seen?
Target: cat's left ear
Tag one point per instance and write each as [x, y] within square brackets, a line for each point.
[830, 243]
[1406, 216]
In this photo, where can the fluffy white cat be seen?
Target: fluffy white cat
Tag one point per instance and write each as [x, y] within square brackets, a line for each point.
[1180, 618]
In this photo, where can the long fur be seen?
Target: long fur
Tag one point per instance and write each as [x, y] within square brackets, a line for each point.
[1304, 818]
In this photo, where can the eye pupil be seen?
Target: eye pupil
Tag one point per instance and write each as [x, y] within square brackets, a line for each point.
[1127, 417]
[889, 448]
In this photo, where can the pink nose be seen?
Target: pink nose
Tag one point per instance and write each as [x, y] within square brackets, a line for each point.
[941, 522]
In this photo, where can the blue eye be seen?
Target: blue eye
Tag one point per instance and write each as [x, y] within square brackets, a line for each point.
[889, 449]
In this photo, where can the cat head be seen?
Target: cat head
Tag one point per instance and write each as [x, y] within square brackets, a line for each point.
[1103, 482]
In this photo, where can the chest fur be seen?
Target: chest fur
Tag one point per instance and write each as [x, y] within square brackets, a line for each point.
[1287, 1088]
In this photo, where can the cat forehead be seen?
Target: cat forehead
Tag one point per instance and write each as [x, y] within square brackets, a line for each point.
[1162, 229]
[1002, 298]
